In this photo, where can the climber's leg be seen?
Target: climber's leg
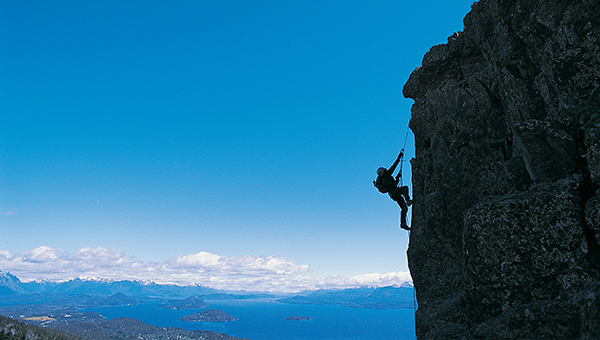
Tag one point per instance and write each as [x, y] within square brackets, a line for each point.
[404, 192]
[397, 196]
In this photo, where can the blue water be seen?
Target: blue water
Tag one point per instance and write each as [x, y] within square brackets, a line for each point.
[266, 320]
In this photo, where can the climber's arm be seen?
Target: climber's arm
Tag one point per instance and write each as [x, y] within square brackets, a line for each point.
[393, 167]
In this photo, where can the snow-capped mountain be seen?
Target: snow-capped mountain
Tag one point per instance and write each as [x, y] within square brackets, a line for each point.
[10, 284]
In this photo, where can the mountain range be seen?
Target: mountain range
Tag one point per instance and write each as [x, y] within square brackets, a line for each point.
[87, 293]
[11, 285]
[362, 297]
[65, 305]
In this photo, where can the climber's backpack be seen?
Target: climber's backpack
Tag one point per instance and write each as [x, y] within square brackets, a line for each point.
[385, 183]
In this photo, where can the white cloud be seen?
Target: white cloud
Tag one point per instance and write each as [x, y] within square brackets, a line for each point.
[10, 212]
[42, 254]
[248, 272]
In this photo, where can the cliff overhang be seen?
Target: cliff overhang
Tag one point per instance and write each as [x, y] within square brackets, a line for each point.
[506, 222]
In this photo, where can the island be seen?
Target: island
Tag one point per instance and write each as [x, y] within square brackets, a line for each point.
[211, 315]
[188, 304]
[299, 318]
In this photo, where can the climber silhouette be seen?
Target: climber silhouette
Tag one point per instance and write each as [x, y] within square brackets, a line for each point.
[386, 183]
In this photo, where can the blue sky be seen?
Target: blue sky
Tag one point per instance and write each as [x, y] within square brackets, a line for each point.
[151, 131]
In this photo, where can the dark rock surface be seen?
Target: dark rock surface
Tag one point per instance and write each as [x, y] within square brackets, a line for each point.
[505, 240]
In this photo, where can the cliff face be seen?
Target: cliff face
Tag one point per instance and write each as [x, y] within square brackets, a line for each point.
[506, 220]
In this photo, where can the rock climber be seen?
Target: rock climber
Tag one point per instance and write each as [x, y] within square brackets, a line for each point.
[386, 183]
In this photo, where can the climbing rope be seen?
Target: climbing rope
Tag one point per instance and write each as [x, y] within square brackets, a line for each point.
[414, 298]
[415, 306]
[400, 172]
[405, 137]
[402, 158]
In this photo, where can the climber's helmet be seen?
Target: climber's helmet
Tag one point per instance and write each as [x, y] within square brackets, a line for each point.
[380, 171]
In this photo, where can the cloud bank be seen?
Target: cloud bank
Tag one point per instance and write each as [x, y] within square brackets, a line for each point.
[248, 272]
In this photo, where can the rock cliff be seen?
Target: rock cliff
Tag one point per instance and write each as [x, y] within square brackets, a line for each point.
[505, 238]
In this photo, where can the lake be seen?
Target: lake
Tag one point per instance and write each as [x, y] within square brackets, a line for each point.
[266, 320]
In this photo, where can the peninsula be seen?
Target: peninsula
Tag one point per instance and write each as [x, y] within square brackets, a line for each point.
[188, 304]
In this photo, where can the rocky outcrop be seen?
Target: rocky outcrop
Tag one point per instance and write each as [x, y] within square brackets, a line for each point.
[505, 225]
